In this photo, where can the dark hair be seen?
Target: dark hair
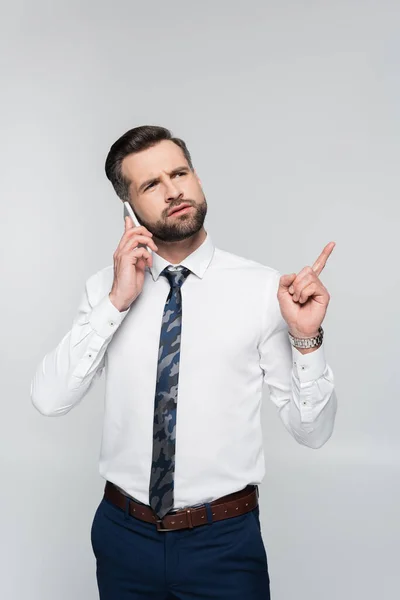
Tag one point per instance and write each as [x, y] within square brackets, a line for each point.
[135, 140]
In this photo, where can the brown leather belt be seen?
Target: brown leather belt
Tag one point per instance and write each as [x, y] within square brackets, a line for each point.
[226, 507]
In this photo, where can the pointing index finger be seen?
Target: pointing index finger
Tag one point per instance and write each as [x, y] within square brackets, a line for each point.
[323, 257]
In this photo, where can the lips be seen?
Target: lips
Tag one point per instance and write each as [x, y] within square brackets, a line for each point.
[178, 208]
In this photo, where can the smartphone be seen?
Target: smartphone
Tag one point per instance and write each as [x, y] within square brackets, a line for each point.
[128, 212]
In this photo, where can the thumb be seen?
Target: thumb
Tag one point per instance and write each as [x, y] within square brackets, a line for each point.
[286, 281]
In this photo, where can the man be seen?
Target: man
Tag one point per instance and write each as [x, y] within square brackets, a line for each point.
[186, 334]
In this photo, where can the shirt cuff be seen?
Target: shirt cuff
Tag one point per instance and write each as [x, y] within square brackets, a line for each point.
[105, 318]
[311, 366]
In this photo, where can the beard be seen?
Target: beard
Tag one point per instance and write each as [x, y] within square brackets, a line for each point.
[180, 228]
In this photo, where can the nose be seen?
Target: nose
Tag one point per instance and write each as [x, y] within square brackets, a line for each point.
[172, 192]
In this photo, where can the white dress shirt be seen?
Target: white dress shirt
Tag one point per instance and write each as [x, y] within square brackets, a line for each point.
[234, 338]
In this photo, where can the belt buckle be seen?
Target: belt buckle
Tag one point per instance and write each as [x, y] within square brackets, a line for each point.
[189, 520]
[160, 528]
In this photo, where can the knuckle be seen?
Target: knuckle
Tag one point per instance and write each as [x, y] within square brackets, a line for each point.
[134, 231]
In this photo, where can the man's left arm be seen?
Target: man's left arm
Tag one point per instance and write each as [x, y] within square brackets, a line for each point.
[300, 381]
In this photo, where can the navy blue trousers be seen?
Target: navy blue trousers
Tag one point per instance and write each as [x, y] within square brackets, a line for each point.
[218, 561]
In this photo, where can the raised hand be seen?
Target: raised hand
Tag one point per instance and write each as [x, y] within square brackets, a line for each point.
[303, 299]
[130, 261]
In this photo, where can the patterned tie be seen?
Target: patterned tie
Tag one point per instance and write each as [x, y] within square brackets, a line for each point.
[165, 405]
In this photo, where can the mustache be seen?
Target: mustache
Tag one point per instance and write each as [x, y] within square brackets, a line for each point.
[176, 204]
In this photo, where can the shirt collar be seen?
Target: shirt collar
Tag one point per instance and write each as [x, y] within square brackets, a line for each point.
[197, 262]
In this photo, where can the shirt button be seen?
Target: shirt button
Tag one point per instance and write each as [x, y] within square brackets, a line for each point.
[305, 403]
[112, 323]
[302, 367]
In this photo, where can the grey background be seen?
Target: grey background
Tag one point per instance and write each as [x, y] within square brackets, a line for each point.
[291, 112]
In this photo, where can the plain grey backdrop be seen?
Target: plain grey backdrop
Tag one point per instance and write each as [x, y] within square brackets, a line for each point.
[291, 113]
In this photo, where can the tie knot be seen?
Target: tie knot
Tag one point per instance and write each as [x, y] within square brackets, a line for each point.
[176, 276]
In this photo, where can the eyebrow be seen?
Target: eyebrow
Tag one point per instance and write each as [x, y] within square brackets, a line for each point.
[156, 179]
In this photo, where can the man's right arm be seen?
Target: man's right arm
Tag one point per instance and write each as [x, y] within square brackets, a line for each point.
[66, 374]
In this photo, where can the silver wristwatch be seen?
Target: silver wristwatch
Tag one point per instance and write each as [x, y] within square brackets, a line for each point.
[307, 342]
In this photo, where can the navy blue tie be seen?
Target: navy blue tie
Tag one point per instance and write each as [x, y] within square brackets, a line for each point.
[165, 406]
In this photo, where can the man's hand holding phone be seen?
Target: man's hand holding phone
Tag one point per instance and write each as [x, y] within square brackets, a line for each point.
[130, 261]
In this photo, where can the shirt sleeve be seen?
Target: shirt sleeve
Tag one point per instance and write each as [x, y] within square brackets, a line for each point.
[66, 374]
[301, 385]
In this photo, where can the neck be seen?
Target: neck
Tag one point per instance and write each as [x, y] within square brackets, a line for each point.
[176, 252]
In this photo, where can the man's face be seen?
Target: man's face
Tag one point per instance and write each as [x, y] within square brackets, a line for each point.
[160, 182]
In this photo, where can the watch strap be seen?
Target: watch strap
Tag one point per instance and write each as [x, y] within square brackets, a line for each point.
[307, 342]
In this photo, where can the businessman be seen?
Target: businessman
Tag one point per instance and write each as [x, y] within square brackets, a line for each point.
[186, 334]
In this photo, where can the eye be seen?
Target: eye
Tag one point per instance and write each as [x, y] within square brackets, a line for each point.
[180, 173]
[152, 184]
